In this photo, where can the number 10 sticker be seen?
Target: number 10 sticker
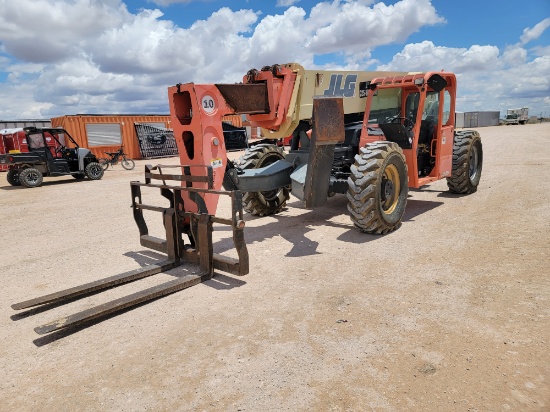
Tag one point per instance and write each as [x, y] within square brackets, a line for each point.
[208, 104]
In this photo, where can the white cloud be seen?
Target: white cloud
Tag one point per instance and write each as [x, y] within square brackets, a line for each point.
[427, 56]
[487, 80]
[354, 26]
[514, 55]
[534, 33]
[286, 3]
[42, 31]
[83, 56]
[166, 3]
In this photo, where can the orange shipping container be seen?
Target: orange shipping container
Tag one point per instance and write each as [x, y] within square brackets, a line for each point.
[106, 133]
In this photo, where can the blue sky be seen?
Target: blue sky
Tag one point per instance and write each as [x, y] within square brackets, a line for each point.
[119, 56]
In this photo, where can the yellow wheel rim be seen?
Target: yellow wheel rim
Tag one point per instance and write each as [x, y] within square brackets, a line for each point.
[390, 189]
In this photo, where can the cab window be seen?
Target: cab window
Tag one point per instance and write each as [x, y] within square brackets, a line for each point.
[446, 108]
[35, 141]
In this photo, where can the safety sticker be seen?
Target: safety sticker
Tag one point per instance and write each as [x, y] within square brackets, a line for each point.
[215, 163]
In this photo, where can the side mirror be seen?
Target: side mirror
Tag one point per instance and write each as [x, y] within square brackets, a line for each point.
[437, 83]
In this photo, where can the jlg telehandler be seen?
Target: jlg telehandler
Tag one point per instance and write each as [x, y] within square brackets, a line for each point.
[401, 135]
[369, 136]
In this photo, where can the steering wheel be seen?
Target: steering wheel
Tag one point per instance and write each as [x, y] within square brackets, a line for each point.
[405, 121]
[59, 149]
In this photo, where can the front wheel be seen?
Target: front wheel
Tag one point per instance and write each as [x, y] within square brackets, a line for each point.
[94, 171]
[467, 162]
[30, 177]
[13, 177]
[127, 163]
[378, 188]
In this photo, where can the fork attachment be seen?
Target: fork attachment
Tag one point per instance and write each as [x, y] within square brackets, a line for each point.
[178, 221]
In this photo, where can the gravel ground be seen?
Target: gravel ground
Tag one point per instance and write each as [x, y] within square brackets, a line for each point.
[449, 313]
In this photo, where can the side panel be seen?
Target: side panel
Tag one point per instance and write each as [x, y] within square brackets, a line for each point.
[445, 141]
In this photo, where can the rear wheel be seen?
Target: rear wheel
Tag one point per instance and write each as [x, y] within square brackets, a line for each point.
[128, 164]
[13, 177]
[94, 171]
[467, 162]
[104, 163]
[30, 177]
[268, 202]
[378, 188]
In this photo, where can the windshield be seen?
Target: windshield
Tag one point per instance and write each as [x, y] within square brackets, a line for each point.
[386, 103]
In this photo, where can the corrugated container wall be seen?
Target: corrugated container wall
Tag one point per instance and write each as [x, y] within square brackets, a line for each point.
[106, 133]
[108, 137]
[488, 119]
[14, 124]
[459, 120]
[481, 119]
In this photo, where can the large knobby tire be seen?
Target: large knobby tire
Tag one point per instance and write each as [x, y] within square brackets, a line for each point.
[13, 177]
[30, 177]
[94, 171]
[268, 202]
[127, 163]
[378, 188]
[467, 162]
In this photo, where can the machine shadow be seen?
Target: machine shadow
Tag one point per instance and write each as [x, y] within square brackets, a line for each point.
[418, 207]
[441, 193]
[295, 228]
[219, 281]
[44, 184]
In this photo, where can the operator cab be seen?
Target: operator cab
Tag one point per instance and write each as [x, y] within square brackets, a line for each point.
[414, 112]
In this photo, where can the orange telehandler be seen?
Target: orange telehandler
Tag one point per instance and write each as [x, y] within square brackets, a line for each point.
[368, 135]
[404, 136]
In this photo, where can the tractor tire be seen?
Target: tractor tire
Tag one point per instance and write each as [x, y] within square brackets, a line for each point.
[128, 164]
[30, 177]
[467, 163]
[104, 163]
[268, 202]
[94, 171]
[378, 188]
[13, 177]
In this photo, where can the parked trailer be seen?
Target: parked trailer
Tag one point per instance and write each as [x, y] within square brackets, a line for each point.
[517, 116]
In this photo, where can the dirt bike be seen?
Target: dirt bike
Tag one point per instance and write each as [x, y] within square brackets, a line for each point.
[115, 157]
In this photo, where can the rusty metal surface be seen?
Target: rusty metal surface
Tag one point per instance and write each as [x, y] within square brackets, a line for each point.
[328, 129]
[95, 286]
[120, 304]
[328, 117]
[251, 98]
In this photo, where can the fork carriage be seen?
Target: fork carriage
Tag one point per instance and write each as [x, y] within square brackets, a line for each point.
[178, 221]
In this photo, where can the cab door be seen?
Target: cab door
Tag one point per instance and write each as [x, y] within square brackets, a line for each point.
[445, 135]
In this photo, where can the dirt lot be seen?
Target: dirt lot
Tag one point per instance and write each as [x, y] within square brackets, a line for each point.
[449, 313]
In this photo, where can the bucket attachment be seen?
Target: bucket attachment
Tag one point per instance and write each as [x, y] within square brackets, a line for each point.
[178, 221]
